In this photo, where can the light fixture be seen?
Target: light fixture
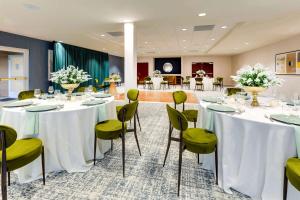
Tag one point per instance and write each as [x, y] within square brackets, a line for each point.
[246, 43]
[102, 35]
[183, 40]
[202, 14]
[212, 39]
[167, 67]
[31, 7]
[184, 47]
[223, 27]
[146, 42]
[184, 29]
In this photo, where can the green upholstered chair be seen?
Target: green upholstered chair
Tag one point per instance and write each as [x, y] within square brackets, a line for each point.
[148, 82]
[218, 83]
[82, 89]
[292, 173]
[114, 129]
[164, 83]
[28, 94]
[233, 91]
[180, 97]
[195, 140]
[16, 154]
[132, 95]
[199, 84]
[185, 83]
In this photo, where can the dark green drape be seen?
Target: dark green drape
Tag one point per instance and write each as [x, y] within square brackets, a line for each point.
[95, 63]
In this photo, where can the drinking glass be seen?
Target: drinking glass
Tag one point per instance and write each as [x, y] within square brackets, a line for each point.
[51, 90]
[37, 93]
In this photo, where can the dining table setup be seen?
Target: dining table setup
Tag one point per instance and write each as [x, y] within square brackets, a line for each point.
[207, 83]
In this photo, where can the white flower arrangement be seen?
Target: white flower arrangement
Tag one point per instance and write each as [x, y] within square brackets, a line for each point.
[156, 73]
[200, 72]
[115, 77]
[69, 75]
[256, 76]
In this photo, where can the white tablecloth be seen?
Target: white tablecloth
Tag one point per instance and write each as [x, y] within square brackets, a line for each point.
[252, 152]
[156, 82]
[207, 82]
[67, 135]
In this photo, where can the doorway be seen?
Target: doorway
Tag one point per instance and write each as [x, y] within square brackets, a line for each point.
[208, 67]
[13, 72]
[142, 71]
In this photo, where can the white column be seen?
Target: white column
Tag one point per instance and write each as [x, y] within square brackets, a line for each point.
[130, 58]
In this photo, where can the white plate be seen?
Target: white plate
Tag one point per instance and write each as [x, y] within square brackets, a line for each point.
[41, 108]
[18, 104]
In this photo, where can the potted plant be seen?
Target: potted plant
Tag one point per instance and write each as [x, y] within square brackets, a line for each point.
[256, 79]
[69, 78]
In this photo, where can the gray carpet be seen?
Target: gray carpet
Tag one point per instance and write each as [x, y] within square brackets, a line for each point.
[145, 176]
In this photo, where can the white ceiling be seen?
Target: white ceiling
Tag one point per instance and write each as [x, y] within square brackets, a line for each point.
[251, 23]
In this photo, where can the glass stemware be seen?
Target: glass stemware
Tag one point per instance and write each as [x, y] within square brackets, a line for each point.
[51, 90]
[37, 93]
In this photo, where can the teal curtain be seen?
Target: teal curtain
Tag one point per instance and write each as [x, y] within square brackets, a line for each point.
[95, 63]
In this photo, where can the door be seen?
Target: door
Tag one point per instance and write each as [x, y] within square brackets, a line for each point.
[142, 71]
[17, 73]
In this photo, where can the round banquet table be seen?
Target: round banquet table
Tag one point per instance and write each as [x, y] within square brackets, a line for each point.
[252, 151]
[207, 83]
[67, 134]
[156, 82]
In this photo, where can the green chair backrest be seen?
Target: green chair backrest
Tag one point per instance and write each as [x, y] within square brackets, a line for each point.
[133, 94]
[198, 79]
[10, 135]
[233, 91]
[148, 78]
[82, 89]
[176, 118]
[128, 110]
[188, 78]
[179, 97]
[26, 95]
[219, 79]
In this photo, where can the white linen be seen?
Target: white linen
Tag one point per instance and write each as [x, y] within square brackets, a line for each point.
[252, 151]
[207, 83]
[67, 135]
[156, 82]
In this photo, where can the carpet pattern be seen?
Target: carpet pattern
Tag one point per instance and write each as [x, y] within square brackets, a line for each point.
[145, 177]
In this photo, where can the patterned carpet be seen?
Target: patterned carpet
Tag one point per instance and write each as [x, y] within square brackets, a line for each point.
[145, 176]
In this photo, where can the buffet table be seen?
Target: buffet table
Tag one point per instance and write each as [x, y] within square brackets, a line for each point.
[207, 83]
[67, 134]
[252, 150]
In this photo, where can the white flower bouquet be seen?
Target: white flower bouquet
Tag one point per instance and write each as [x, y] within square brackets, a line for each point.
[115, 77]
[200, 72]
[69, 75]
[256, 76]
[156, 73]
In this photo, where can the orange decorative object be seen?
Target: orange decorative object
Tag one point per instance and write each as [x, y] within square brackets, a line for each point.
[113, 89]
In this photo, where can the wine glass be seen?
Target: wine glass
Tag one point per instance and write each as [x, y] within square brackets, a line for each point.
[37, 93]
[51, 90]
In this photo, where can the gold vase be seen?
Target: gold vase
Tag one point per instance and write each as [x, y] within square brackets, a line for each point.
[255, 91]
[70, 88]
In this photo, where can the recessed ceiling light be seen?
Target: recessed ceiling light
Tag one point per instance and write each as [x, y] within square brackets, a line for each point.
[235, 48]
[223, 27]
[212, 39]
[184, 29]
[246, 43]
[183, 40]
[146, 42]
[184, 47]
[202, 14]
[102, 35]
[31, 7]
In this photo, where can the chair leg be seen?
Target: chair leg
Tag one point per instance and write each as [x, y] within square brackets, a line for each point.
[194, 123]
[8, 178]
[169, 143]
[43, 166]
[3, 167]
[216, 164]
[285, 185]
[111, 145]
[123, 152]
[179, 167]
[135, 135]
[95, 146]
[138, 119]
[198, 156]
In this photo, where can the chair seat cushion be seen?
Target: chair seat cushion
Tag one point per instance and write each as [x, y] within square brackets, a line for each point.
[293, 172]
[217, 83]
[199, 83]
[191, 115]
[164, 82]
[110, 129]
[148, 82]
[186, 82]
[199, 140]
[22, 152]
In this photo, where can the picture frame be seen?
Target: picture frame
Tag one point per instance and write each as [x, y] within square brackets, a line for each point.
[287, 63]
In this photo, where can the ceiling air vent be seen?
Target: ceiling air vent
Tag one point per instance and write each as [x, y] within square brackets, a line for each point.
[116, 34]
[204, 27]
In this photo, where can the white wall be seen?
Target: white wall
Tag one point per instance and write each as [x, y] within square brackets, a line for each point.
[266, 56]
[222, 65]
[3, 74]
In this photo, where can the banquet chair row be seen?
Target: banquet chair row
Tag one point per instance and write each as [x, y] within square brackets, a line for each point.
[16, 154]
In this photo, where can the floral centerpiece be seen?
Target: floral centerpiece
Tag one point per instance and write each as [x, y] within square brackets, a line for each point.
[69, 78]
[256, 79]
[200, 73]
[156, 73]
[115, 77]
